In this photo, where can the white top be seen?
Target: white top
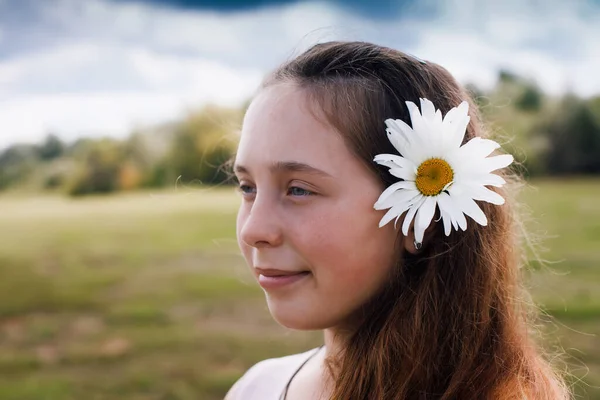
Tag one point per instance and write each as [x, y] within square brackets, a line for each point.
[267, 379]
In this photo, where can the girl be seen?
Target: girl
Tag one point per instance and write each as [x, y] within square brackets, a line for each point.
[374, 210]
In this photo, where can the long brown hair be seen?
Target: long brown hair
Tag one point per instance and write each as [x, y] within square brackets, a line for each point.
[451, 323]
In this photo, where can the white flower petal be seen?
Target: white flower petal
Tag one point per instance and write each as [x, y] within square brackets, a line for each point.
[438, 117]
[420, 143]
[388, 164]
[424, 217]
[397, 136]
[398, 142]
[398, 161]
[470, 208]
[476, 192]
[482, 193]
[461, 221]
[396, 186]
[447, 205]
[494, 163]
[447, 222]
[434, 125]
[397, 198]
[416, 119]
[457, 189]
[457, 112]
[410, 215]
[400, 127]
[404, 173]
[481, 179]
[478, 148]
[404, 139]
[427, 109]
[455, 123]
[393, 212]
[492, 180]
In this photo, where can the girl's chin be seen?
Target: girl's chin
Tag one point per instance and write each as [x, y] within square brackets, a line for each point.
[300, 320]
[299, 325]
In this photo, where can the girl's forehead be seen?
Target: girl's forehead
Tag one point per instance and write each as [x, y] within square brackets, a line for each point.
[281, 104]
[280, 122]
[281, 126]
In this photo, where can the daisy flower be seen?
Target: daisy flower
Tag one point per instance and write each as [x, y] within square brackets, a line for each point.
[436, 171]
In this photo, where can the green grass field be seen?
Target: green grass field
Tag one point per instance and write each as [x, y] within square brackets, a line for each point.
[144, 296]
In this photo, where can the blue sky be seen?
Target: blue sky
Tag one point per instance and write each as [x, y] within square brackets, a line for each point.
[105, 67]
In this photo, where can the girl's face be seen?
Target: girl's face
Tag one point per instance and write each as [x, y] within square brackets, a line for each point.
[306, 220]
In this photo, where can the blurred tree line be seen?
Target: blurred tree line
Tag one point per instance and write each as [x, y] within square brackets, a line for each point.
[548, 135]
[191, 151]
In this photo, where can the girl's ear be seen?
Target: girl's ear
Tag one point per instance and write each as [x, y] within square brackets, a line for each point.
[409, 240]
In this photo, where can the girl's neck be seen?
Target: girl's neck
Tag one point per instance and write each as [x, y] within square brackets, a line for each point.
[334, 342]
[314, 379]
[335, 338]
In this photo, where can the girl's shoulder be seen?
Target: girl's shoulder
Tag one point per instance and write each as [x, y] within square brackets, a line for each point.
[267, 379]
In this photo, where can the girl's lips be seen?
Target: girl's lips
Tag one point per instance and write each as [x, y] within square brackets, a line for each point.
[279, 281]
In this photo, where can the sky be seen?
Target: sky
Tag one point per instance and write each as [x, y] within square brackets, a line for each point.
[106, 67]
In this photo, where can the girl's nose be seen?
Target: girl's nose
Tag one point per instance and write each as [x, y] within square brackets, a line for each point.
[261, 227]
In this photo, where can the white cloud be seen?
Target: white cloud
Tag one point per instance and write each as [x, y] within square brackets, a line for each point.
[115, 65]
[196, 78]
[70, 116]
[166, 86]
[254, 38]
[26, 119]
[457, 52]
[549, 42]
[48, 64]
[9, 72]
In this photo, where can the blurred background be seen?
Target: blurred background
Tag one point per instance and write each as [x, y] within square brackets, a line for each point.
[120, 276]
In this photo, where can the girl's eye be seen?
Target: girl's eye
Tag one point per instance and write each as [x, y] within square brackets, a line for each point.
[246, 189]
[297, 191]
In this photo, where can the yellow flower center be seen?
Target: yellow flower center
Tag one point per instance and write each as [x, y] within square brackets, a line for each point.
[433, 175]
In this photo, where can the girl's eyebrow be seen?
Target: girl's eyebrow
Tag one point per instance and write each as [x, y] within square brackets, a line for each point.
[287, 166]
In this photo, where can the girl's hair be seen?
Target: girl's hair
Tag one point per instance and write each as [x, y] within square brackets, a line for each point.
[452, 322]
